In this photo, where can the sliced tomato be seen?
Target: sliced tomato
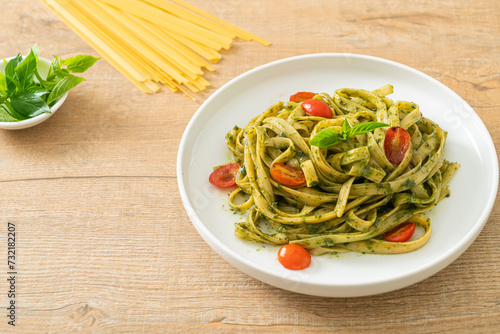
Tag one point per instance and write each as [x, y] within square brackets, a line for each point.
[317, 108]
[294, 257]
[396, 144]
[302, 96]
[400, 233]
[287, 175]
[224, 176]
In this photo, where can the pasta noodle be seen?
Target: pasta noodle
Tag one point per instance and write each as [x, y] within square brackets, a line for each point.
[354, 194]
[152, 41]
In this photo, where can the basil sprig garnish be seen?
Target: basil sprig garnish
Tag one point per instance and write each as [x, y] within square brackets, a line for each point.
[329, 137]
[25, 94]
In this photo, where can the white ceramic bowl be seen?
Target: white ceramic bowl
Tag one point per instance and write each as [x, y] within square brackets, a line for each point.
[456, 221]
[43, 70]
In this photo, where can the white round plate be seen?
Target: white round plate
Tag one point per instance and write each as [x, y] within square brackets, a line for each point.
[456, 221]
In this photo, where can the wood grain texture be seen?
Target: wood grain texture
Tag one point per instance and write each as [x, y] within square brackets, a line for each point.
[103, 242]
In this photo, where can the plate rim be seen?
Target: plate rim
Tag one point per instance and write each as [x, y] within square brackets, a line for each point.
[410, 277]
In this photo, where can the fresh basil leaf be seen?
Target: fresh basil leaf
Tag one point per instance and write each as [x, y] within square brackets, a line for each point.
[25, 94]
[56, 63]
[64, 85]
[10, 110]
[13, 83]
[58, 72]
[29, 105]
[80, 63]
[25, 71]
[61, 73]
[5, 116]
[3, 84]
[365, 128]
[10, 74]
[55, 66]
[51, 76]
[329, 137]
[326, 138]
[38, 91]
[11, 65]
[47, 84]
[345, 129]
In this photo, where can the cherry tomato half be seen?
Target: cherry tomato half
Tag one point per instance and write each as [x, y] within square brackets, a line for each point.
[400, 233]
[302, 96]
[294, 257]
[224, 176]
[287, 175]
[317, 108]
[396, 144]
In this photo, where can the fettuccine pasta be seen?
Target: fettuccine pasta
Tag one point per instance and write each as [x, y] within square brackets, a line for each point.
[353, 194]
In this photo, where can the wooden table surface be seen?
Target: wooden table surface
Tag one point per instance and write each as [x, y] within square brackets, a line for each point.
[103, 243]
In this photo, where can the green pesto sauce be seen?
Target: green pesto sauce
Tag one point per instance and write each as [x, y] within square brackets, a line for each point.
[409, 183]
[328, 242]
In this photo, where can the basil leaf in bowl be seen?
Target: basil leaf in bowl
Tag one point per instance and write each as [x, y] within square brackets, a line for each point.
[33, 88]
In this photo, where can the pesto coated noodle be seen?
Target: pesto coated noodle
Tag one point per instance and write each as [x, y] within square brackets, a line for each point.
[353, 195]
